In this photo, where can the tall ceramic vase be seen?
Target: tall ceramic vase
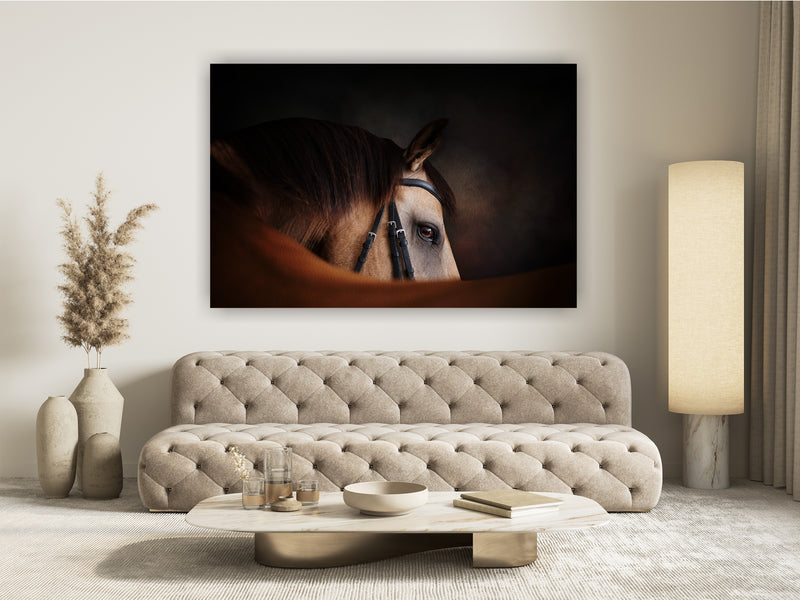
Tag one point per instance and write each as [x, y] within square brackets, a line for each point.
[99, 407]
[56, 446]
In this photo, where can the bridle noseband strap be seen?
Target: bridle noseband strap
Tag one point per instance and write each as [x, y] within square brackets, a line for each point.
[397, 235]
[394, 251]
[402, 241]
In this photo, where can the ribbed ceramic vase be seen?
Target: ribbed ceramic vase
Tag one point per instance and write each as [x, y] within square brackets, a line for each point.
[99, 406]
[56, 446]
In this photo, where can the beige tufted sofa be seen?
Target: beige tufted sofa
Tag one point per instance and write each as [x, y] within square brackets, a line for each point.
[544, 421]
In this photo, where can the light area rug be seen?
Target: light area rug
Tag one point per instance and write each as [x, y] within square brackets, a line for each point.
[743, 542]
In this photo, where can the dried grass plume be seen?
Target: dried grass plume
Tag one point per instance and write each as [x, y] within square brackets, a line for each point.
[95, 272]
[240, 463]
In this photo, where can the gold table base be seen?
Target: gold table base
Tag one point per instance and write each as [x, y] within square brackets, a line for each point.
[316, 550]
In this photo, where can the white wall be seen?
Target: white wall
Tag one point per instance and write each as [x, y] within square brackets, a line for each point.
[124, 88]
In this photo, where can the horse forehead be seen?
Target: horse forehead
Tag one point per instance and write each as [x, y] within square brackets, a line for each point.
[418, 200]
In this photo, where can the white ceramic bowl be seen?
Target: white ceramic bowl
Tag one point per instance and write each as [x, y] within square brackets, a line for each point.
[385, 498]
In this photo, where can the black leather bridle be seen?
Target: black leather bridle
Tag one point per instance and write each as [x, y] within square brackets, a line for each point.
[398, 243]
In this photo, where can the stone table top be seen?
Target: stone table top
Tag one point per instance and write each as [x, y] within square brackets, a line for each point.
[437, 516]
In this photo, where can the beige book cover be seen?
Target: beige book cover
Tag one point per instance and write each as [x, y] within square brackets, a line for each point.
[512, 499]
[502, 512]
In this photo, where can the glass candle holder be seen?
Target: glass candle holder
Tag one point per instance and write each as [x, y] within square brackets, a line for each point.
[254, 493]
[308, 492]
[278, 473]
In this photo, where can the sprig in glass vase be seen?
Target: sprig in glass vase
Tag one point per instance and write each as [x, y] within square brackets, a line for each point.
[240, 463]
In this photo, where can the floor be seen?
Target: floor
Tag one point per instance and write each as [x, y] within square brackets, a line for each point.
[741, 543]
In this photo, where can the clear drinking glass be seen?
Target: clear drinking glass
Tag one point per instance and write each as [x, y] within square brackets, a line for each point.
[308, 492]
[278, 473]
[254, 493]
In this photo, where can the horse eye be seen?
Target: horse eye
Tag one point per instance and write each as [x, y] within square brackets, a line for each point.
[429, 233]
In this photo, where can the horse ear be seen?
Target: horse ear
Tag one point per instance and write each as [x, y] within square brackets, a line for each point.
[423, 144]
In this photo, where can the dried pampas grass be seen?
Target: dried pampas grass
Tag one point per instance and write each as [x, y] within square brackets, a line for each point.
[97, 268]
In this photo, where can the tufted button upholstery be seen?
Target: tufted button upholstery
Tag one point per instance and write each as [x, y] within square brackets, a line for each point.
[431, 387]
[449, 420]
[555, 458]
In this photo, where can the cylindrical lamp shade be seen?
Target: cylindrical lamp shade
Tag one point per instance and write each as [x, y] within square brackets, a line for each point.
[706, 287]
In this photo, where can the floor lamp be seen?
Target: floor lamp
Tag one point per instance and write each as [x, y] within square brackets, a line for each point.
[706, 312]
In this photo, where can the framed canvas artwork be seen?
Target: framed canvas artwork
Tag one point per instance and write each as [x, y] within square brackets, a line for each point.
[406, 185]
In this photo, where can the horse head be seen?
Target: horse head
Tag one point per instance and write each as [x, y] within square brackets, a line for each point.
[421, 249]
[326, 185]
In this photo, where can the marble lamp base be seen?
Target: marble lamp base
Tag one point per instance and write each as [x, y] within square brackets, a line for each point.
[705, 452]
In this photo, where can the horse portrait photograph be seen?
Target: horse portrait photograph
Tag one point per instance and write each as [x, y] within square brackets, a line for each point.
[393, 185]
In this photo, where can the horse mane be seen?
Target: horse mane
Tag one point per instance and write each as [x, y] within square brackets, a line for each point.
[300, 175]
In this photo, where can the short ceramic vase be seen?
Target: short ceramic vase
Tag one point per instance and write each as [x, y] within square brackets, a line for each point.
[99, 406]
[56, 446]
[102, 467]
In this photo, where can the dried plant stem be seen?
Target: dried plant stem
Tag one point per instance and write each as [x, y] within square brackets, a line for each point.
[240, 463]
[95, 272]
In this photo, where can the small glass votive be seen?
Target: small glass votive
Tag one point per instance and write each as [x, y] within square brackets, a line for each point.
[308, 492]
[254, 494]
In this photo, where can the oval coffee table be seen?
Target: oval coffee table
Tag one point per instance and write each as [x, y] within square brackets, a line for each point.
[333, 534]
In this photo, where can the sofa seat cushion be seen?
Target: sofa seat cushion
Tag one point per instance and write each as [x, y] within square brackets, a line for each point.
[615, 465]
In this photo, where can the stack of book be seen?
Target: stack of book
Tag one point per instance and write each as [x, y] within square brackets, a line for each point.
[508, 503]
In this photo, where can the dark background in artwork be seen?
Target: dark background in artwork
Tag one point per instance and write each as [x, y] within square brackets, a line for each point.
[509, 151]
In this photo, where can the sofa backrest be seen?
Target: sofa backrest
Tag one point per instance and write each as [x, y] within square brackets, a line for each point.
[401, 387]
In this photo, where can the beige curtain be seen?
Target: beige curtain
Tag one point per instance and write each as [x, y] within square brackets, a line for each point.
[775, 368]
